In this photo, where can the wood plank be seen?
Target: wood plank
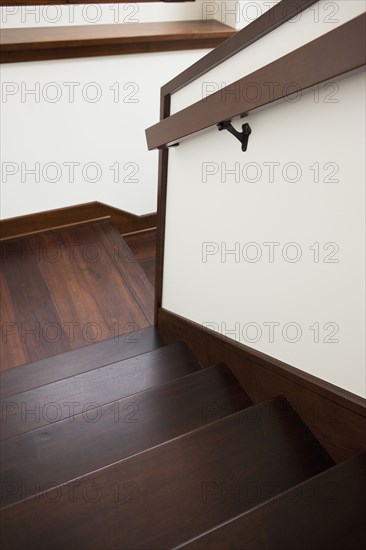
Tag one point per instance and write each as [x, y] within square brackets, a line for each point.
[143, 247]
[40, 327]
[80, 313]
[142, 244]
[335, 416]
[29, 44]
[124, 428]
[95, 270]
[149, 267]
[87, 278]
[332, 59]
[175, 491]
[128, 267]
[85, 392]
[11, 350]
[58, 367]
[328, 511]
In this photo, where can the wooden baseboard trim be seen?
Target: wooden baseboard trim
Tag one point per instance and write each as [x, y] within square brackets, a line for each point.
[70, 216]
[335, 416]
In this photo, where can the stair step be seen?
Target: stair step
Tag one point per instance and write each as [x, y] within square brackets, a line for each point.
[86, 392]
[132, 273]
[175, 491]
[327, 511]
[67, 450]
[71, 363]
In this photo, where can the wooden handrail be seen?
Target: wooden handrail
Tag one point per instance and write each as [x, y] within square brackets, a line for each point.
[34, 43]
[266, 23]
[334, 53]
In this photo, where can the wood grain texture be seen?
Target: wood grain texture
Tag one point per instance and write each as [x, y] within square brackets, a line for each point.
[123, 428]
[328, 511]
[44, 405]
[36, 320]
[143, 247]
[69, 289]
[58, 367]
[15, 354]
[30, 44]
[62, 218]
[174, 491]
[332, 59]
[336, 417]
[120, 255]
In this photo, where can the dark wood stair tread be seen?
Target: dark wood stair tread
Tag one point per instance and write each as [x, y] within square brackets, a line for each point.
[71, 363]
[68, 449]
[327, 511]
[90, 390]
[175, 491]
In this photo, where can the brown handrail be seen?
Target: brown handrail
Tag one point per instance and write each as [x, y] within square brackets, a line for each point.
[262, 26]
[335, 53]
[266, 23]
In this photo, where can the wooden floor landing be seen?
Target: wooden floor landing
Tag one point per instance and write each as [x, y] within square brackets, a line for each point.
[67, 289]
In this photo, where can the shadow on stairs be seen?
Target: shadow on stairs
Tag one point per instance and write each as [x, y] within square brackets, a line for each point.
[129, 444]
[142, 448]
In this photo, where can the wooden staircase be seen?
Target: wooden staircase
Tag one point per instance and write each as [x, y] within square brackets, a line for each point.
[130, 444]
[154, 452]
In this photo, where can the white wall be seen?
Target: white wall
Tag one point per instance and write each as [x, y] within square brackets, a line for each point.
[96, 14]
[307, 26]
[80, 136]
[233, 13]
[90, 111]
[268, 246]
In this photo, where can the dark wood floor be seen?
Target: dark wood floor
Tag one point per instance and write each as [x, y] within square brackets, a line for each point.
[143, 247]
[65, 290]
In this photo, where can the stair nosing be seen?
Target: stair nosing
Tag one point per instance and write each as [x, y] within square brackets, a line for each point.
[181, 347]
[101, 367]
[138, 393]
[278, 398]
[219, 368]
[78, 350]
